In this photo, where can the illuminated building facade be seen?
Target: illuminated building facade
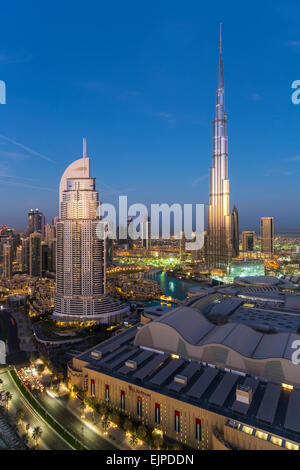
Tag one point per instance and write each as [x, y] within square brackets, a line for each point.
[248, 241]
[267, 234]
[235, 234]
[7, 261]
[219, 250]
[80, 252]
[35, 255]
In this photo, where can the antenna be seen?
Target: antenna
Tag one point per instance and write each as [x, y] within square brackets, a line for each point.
[84, 147]
[220, 38]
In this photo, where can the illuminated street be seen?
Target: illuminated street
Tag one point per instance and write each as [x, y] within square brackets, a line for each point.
[49, 439]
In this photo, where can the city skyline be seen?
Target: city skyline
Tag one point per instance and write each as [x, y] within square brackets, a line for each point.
[132, 113]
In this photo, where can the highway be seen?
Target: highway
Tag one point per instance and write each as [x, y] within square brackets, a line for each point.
[49, 440]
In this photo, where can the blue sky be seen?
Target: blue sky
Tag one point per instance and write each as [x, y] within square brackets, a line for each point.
[138, 80]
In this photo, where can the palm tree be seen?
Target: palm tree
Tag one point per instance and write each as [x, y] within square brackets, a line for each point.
[25, 439]
[19, 415]
[82, 406]
[133, 439]
[36, 435]
[8, 397]
[142, 432]
[105, 423]
[127, 425]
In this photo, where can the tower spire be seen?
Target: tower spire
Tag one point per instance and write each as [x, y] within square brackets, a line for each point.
[221, 77]
[84, 148]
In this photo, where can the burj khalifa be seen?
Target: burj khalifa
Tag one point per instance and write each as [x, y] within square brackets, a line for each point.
[218, 245]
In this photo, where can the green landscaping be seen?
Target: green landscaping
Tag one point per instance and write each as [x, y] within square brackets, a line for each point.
[57, 427]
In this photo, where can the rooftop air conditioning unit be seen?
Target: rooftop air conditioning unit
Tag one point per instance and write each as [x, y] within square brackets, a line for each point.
[96, 354]
[182, 379]
[244, 394]
[131, 364]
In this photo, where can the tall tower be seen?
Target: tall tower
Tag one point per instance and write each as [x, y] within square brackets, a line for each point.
[35, 254]
[7, 261]
[267, 234]
[80, 252]
[235, 234]
[219, 251]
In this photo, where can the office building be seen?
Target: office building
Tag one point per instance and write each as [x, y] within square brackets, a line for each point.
[235, 234]
[267, 234]
[7, 261]
[35, 254]
[248, 239]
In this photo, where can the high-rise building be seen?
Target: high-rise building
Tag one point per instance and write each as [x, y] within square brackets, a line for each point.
[25, 255]
[80, 261]
[248, 240]
[219, 250]
[146, 233]
[7, 261]
[39, 222]
[30, 226]
[35, 254]
[267, 234]
[235, 235]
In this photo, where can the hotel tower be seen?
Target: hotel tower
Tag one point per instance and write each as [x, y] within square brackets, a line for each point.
[219, 251]
[80, 261]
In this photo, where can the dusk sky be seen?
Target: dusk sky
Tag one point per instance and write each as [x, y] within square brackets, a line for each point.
[138, 80]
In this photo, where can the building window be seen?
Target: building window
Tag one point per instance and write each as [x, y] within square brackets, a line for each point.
[291, 446]
[276, 440]
[106, 392]
[177, 421]
[198, 430]
[122, 400]
[92, 387]
[139, 406]
[157, 413]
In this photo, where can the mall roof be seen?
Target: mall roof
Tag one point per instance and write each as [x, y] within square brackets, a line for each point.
[272, 409]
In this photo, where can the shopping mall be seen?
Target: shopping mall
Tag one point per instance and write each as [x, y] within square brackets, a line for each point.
[216, 372]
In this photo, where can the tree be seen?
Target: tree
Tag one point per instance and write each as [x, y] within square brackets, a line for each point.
[82, 407]
[19, 415]
[25, 439]
[127, 425]
[36, 435]
[158, 441]
[1, 383]
[133, 440]
[142, 432]
[8, 397]
[105, 423]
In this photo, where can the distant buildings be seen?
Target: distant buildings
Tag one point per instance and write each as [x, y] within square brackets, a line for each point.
[7, 261]
[36, 223]
[235, 234]
[248, 240]
[219, 250]
[267, 234]
[35, 255]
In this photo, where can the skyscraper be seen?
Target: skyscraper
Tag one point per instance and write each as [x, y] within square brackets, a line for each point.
[248, 240]
[235, 235]
[267, 234]
[35, 254]
[7, 261]
[80, 260]
[219, 251]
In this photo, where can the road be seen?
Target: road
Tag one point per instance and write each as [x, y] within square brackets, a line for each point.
[57, 408]
[49, 440]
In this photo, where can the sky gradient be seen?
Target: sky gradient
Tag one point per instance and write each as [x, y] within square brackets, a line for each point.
[138, 80]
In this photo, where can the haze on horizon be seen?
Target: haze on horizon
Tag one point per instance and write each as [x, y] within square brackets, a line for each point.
[140, 85]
